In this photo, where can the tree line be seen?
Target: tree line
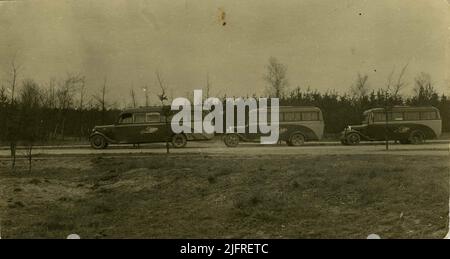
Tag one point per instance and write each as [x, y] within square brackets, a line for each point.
[58, 112]
[34, 114]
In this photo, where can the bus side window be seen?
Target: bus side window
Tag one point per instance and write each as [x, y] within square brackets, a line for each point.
[412, 116]
[379, 116]
[298, 116]
[310, 116]
[428, 115]
[126, 118]
[153, 117]
[371, 118]
[139, 118]
[395, 116]
[289, 116]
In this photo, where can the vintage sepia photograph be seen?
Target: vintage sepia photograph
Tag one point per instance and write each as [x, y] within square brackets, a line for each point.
[224, 120]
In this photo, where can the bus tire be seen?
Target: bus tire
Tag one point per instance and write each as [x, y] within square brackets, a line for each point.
[231, 140]
[296, 140]
[417, 137]
[179, 141]
[353, 139]
[98, 142]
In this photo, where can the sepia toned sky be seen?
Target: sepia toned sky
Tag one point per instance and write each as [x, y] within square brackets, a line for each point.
[324, 43]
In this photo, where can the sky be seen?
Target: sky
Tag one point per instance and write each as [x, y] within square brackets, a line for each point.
[323, 43]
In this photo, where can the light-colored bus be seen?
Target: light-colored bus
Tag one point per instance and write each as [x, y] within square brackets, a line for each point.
[298, 124]
[406, 124]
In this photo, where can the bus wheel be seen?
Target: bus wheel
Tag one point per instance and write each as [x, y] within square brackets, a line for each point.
[296, 139]
[417, 137]
[179, 141]
[98, 142]
[231, 140]
[353, 139]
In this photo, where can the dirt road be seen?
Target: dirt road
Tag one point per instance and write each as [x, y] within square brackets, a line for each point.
[439, 148]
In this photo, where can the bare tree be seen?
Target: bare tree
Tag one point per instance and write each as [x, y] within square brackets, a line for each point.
[82, 89]
[3, 113]
[162, 96]
[208, 86]
[391, 93]
[101, 99]
[65, 99]
[276, 78]
[146, 94]
[30, 117]
[14, 72]
[400, 83]
[133, 102]
[49, 94]
[361, 88]
[49, 102]
[11, 112]
[133, 97]
[3, 97]
[393, 87]
[424, 90]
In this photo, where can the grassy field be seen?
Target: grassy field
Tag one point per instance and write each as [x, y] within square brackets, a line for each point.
[197, 196]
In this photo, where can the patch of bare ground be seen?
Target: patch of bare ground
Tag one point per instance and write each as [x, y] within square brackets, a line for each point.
[198, 196]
